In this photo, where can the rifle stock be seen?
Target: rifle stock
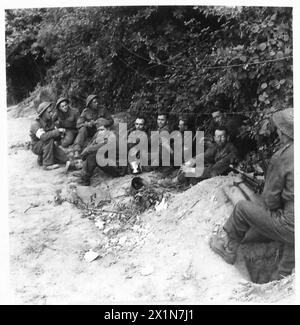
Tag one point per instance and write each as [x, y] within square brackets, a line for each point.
[252, 182]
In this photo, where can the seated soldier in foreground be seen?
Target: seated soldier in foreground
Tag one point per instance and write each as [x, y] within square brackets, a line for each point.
[45, 138]
[66, 117]
[274, 219]
[86, 122]
[217, 158]
[89, 154]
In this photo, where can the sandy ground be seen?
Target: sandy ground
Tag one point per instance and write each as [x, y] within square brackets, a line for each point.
[164, 259]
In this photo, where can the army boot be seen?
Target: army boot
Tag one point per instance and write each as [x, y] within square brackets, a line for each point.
[84, 180]
[224, 246]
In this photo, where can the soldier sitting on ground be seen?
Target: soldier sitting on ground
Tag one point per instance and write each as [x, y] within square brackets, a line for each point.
[66, 117]
[45, 138]
[217, 158]
[235, 125]
[89, 154]
[86, 122]
[274, 218]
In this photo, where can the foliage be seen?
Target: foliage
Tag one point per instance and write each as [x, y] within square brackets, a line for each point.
[176, 59]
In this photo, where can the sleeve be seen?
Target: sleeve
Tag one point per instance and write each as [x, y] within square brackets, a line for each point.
[55, 119]
[209, 155]
[109, 118]
[49, 135]
[38, 131]
[222, 165]
[94, 146]
[274, 185]
[81, 120]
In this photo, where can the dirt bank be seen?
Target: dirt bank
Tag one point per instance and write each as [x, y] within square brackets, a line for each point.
[163, 257]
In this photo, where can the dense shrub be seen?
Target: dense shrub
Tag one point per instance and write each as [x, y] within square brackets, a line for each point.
[177, 59]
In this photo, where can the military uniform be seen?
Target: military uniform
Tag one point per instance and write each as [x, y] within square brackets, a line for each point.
[90, 156]
[89, 115]
[275, 219]
[216, 162]
[67, 121]
[43, 136]
[218, 158]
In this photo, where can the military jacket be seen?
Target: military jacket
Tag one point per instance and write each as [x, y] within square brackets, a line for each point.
[89, 115]
[68, 120]
[278, 193]
[220, 157]
[41, 130]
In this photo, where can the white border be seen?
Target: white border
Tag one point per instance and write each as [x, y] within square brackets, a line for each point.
[6, 4]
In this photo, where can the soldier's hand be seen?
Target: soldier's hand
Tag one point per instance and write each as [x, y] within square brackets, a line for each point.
[62, 130]
[190, 163]
[90, 124]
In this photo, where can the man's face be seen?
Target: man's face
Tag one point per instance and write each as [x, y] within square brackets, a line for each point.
[47, 115]
[217, 117]
[139, 124]
[182, 126]
[94, 103]
[101, 129]
[64, 107]
[220, 137]
[161, 121]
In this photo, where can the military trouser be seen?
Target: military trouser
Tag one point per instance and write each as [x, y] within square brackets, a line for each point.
[68, 138]
[247, 215]
[84, 133]
[49, 153]
[90, 163]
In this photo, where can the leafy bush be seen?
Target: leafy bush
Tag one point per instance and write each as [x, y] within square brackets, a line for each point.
[177, 59]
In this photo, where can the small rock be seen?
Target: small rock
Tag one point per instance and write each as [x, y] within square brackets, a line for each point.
[90, 256]
[99, 224]
[161, 206]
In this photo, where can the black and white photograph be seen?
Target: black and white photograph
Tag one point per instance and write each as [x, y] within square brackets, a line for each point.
[149, 154]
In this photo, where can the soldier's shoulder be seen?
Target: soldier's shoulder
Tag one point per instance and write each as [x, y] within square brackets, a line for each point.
[85, 111]
[285, 150]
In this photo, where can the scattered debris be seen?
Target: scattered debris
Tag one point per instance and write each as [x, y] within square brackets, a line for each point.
[90, 256]
[21, 145]
[32, 205]
[100, 224]
[161, 206]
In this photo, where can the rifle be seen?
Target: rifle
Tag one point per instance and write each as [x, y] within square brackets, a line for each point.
[255, 184]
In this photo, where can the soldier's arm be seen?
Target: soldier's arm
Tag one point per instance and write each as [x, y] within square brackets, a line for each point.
[274, 185]
[222, 165]
[81, 121]
[41, 134]
[209, 154]
[109, 118]
[93, 147]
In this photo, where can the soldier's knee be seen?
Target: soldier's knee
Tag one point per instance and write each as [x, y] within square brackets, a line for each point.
[67, 141]
[243, 206]
[82, 130]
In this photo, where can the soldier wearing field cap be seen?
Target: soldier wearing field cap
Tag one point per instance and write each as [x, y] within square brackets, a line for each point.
[44, 137]
[86, 121]
[66, 117]
[274, 219]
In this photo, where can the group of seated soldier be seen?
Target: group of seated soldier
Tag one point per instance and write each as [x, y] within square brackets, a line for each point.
[55, 130]
[51, 133]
